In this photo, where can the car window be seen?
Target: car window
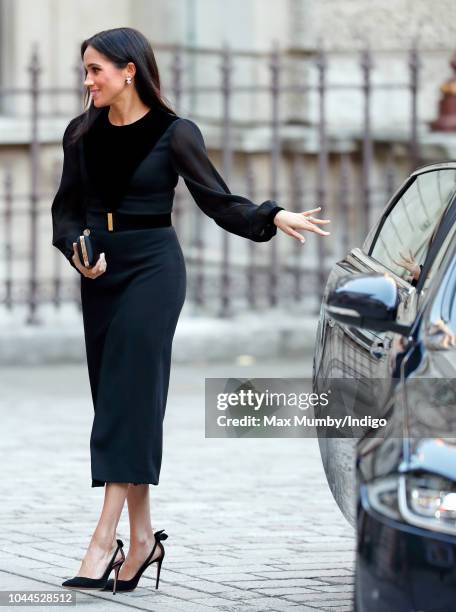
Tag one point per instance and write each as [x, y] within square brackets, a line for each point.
[408, 229]
[448, 307]
[442, 314]
[452, 311]
[447, 243]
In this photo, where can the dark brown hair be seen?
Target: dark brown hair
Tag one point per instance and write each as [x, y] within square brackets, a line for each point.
[120, 46]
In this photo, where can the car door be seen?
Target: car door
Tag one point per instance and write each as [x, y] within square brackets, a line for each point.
[408, 222]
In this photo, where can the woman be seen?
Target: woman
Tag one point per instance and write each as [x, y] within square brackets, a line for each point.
[122, 160]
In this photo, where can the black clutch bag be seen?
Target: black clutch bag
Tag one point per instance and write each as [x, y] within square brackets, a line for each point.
[87, 250]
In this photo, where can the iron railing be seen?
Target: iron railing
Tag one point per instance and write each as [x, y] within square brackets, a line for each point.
[220, 280]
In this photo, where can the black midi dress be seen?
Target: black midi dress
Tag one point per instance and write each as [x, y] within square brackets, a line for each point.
[130, 312]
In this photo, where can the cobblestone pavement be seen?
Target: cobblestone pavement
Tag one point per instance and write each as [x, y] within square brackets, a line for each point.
[251, 522]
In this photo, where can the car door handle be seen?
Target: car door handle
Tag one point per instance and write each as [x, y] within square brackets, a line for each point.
[378, 349]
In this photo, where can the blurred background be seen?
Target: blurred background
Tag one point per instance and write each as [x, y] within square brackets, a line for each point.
[307, 102]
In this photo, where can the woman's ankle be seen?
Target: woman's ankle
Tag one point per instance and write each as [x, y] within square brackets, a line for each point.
[104, 541]
[141, 539]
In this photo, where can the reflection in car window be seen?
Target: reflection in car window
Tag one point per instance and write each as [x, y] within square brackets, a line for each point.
[407, 231]
[446, 244]
[441, 328]
[452, 311]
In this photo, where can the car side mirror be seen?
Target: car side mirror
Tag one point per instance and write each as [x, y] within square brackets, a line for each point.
[366, 301]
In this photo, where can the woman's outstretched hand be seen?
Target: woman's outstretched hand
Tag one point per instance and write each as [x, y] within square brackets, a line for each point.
[288, 222]
[408, 262]
[95, 270]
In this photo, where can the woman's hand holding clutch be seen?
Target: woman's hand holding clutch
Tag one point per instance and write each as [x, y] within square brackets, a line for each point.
[289, 222]
[92, 272]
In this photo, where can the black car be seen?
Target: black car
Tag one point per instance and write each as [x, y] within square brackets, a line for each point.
[395, 333]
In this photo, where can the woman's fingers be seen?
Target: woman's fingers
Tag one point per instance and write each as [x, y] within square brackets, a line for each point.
[321, 221]
[77, 261]
[100, 263]
[75, 257]
[289, 222]
[314, 228]
[309, 212]
[294, 234]
[309, 219]
[99, 267]
[319, 231]
[96, 270]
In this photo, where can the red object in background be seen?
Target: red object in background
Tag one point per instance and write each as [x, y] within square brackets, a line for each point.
[446, 121]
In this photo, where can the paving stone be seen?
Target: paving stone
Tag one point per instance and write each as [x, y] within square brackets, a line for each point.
[286, 582]
[284, 591]
[308, 573]
[267, 603]
[335, 588]
[319, 599]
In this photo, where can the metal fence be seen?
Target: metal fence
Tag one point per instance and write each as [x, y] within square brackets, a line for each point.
[219, 281]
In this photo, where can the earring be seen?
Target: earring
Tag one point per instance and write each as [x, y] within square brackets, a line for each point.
[128, 79]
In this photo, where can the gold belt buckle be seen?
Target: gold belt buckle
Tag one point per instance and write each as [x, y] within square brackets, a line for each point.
[110, 225]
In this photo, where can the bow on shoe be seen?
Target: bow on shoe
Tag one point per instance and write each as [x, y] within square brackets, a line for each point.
[161, 535]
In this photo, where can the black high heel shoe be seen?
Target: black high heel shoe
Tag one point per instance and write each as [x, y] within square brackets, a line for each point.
[81, 582]
[130, 585]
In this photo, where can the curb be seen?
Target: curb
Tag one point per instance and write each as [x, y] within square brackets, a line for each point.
[270, 334]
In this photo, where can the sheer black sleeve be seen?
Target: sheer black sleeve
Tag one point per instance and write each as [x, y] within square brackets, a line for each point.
[67, 207]
[233, 213]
